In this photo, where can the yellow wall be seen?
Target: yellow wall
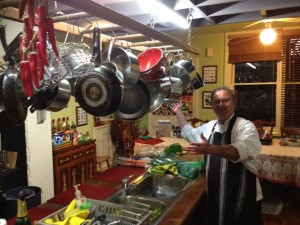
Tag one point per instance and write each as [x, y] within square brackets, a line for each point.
[216, 42]
[70, 111]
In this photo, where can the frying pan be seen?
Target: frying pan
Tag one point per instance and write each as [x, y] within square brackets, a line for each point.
[3, 117]
[156, 94]
[135, 102]
[14, 97]
[99, 92]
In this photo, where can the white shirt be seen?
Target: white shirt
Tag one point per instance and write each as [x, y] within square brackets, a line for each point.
[244, 138]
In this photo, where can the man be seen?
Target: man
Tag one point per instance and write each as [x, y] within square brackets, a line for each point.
[230, 145]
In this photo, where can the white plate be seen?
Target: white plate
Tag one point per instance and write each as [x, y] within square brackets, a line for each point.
[293, 144]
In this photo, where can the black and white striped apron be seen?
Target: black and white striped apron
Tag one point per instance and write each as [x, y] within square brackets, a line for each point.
[231, 188]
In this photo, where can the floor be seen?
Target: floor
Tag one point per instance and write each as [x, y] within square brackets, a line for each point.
[290, 196]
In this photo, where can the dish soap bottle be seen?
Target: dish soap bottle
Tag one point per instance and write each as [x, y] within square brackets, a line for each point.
[80, 199]
[22, 217]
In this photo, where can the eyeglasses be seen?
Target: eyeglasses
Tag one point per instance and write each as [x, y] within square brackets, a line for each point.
[219, 101]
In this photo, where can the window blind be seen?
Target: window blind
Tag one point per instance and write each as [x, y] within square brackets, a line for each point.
[248, 48]
[290, 99]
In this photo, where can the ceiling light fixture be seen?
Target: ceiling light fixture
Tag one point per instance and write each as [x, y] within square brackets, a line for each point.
[163, 12]
[268, 35]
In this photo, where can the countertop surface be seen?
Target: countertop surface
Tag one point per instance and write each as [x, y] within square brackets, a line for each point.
[108, 182]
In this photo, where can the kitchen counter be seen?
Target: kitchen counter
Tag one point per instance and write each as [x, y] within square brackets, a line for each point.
[105, 184]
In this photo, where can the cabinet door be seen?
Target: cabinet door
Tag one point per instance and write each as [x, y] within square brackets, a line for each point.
[90, 155]
[104, 144]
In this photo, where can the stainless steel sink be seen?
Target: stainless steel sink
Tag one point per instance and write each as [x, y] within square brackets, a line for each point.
[159, 192]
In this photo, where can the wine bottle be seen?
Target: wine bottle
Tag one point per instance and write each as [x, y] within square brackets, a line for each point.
[22, 217]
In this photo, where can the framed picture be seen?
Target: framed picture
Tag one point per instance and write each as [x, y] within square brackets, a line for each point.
[81, 116]
[209, 74]
[206, 99]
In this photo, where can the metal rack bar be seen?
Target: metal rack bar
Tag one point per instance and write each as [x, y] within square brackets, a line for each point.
[94, 8]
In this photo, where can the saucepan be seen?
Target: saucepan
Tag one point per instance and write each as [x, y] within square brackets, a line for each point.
[195, 84]
[125, 62]
[185, 70]
[53, 97]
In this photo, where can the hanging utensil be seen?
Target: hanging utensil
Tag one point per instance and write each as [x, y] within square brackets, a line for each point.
[99, 92]
[156, 94]
[135, 102]
[126, 62]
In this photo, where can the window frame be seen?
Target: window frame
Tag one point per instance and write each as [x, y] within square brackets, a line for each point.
[229, 81]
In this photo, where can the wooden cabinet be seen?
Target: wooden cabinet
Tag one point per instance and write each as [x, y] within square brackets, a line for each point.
[103, 141]
[74, 165]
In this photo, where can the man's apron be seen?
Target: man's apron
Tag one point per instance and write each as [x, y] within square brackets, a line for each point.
[231, 188]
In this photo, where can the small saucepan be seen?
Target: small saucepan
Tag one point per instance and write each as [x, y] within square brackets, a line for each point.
[184, 70]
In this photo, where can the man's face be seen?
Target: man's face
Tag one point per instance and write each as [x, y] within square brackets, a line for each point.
[223, 105]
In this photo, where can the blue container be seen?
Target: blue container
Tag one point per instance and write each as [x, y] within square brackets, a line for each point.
[9, 199]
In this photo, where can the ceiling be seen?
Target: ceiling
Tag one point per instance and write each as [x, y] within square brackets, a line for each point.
[128, 17]
[201, 12]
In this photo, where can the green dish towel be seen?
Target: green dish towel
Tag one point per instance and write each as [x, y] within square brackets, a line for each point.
[163, 169]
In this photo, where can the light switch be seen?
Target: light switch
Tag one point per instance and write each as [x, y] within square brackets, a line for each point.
[209, 52]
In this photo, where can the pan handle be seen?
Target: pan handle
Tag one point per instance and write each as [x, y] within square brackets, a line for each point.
[11, 48]
[3, 37]
[96, 58]
[110, 46]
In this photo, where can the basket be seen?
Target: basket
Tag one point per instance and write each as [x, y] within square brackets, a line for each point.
[113, 212]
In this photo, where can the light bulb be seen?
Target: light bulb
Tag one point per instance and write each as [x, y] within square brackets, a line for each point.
[268, 36]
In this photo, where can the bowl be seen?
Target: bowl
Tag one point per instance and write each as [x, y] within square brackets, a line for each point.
[150, 60]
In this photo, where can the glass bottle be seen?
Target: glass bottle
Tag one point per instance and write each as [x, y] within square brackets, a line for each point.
[64, 124]
[58, 125]
[22, 217]
[68, 127]
[53, 127]
[73, 127]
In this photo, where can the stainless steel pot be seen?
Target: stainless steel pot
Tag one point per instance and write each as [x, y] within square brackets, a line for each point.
[184, 70]
[52, 98]
[126, 62]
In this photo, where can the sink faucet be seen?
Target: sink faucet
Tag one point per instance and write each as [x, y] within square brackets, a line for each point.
[126, 185]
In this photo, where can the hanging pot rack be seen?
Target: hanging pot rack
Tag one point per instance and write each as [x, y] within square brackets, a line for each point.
[93, 8]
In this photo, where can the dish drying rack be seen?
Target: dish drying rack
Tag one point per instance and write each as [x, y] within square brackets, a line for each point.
[134, 214]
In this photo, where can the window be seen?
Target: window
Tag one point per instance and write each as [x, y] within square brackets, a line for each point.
[268, 87]
[290, 100]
